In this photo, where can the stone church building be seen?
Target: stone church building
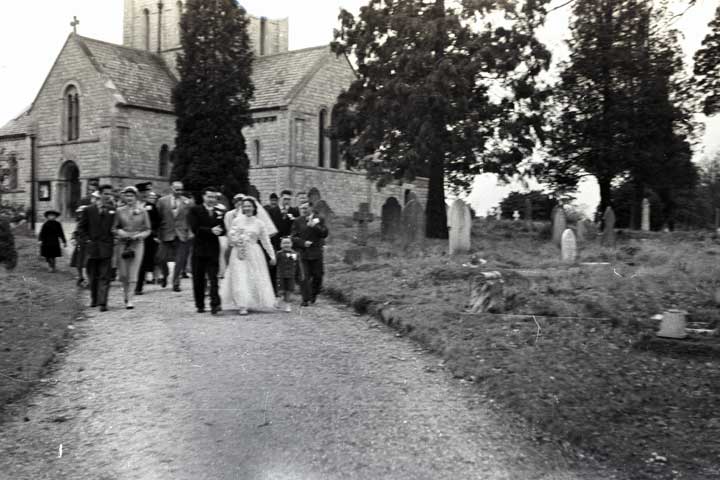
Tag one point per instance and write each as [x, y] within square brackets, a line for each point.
[104, 115]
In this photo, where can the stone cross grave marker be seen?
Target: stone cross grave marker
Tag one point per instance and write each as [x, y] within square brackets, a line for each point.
[516, 216]
[498, 214]
[608, 235]
[363, 217]
[559, 224]
[460, 225]
[568, 246]
[413, 224]
[391, 220]
[645, 223]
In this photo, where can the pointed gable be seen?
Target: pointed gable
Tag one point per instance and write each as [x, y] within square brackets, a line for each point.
[277, 78]
[140, 77]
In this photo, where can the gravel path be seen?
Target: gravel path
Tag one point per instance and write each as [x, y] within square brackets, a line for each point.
[162, 392]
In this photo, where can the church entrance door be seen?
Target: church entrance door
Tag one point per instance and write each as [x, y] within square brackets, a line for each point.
[69, 189]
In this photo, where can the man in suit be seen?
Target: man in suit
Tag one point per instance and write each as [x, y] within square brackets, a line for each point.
[95, 227]
[308, 236]
[174, 233]
[207, 224]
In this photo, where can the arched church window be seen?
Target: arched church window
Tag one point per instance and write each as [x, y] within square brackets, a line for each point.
[334, 146]
[322, 136]
[164, 161]
[72, 113]
[258, 152]
[9, 173]
[146, 28]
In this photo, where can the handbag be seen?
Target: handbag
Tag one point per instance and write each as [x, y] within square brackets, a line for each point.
[128, 253]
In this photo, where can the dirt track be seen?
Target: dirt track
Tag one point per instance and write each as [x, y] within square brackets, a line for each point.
[162, 392]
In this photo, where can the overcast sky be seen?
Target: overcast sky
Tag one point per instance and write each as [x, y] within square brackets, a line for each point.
[32, 33]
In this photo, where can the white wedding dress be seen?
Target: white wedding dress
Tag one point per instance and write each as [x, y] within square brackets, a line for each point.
[246, 284]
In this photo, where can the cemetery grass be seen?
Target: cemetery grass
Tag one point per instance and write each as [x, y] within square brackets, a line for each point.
[36, 309]
[579, 380]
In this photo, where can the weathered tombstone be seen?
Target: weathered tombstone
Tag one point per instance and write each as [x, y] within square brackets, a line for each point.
[581, 229]
[559, 224]
[645, 223]
[460, 225]
[498, 214]
[608, 235]
[486, 293]
[363, 217]
[390, 220]
[362, 252]
[324, 211]
[568, 246]
[413, 224]
[314, 196]
[516, 216]
[528, 214]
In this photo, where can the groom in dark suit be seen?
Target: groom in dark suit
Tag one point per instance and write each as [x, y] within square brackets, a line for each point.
[95, 225]
[206, 223]
[308, 237]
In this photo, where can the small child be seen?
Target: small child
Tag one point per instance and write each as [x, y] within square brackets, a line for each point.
[287, 268]
[51, 234]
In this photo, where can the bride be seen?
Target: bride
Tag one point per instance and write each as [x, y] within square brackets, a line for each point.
[247, 280]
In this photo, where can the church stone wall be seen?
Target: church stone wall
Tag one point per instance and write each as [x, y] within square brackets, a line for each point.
[20, 147]
[137, 139]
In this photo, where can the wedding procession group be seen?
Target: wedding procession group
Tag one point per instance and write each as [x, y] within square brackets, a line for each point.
[239, 253]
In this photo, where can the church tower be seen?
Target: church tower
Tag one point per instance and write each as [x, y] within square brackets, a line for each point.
[154, 26]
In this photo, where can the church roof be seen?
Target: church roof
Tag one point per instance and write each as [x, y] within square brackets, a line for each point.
[19, 125]
[142, 78]
[278, 77]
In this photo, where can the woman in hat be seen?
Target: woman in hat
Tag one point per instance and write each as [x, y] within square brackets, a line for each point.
[151, 242]
[132, 227]
[51, 234]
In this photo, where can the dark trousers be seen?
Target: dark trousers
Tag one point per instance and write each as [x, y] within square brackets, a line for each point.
[205, 269]
[98, 271]
[180, 253]
[313, 270]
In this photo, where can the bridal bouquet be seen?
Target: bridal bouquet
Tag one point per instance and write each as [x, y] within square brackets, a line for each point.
[239, 239]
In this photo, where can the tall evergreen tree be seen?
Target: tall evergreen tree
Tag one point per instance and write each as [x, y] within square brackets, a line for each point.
[707, 67]
[424, 103]
[212, 98]
[622, 100]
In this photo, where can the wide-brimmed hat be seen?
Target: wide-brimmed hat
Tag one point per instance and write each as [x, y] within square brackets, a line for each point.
[52, 212]
[143, 187]
[130, 189]
[238, 197]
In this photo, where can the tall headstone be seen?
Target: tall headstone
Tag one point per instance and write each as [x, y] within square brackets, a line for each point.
[363, 217]
[559, 224]
[645, 224]
[528, 214]
[460, 225]
[608, 234]
[582, 232]
[413, 224]
[568, 246]
[391, 220]
[314, 196]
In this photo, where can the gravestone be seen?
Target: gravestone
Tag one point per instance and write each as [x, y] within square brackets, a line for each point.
[322, 208]
[516, 216]
[645, 224]
[486, 293]
[363, 217]
[460, 225]
[314, 196]
[559, 224]
[608, 234]
[413, 224]
[568, 246]
[582, 233]
[498, 214]
[391, 219]
[528, 214]
[362, 252]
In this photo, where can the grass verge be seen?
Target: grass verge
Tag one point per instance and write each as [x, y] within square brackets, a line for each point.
[564, 358]
[36, 309]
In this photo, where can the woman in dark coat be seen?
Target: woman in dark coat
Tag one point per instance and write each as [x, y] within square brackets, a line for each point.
[151, 242]
[51, 234]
